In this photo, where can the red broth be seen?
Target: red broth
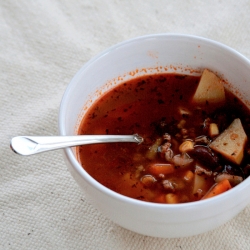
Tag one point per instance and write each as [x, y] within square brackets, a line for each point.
[159, 108]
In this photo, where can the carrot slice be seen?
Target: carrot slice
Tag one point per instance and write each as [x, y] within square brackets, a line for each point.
[218, 188]
[157, 169]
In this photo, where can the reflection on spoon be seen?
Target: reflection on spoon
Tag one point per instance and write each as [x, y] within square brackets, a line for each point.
[29, 145]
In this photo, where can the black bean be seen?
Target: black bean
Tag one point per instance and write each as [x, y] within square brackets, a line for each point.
[205, 156]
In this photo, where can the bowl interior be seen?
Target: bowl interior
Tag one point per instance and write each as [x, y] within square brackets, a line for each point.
[146, 55]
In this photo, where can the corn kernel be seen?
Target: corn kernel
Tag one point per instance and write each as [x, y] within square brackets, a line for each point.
[148, 180]
[172, 198]
[213, 130]
[186, 146]
[189, 175]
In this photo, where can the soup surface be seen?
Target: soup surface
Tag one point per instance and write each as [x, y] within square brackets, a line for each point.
[175, 163]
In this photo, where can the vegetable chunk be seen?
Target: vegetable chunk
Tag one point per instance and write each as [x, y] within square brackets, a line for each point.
[157, 169]
[230, 143]
[210, 89]
[218, 188]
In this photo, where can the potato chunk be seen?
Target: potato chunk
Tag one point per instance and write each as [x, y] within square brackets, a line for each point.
[210, 89]
[230, 143]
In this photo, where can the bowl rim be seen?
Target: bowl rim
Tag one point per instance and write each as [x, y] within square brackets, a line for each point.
[112, 194]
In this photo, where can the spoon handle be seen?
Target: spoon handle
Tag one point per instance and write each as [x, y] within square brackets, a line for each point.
[29, 145]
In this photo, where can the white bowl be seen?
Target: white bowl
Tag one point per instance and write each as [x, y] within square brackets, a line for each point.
[145, 55]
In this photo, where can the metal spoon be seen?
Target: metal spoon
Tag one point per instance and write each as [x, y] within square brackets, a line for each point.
[29, 145]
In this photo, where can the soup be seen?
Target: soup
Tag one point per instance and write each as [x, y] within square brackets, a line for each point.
[182, 158]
